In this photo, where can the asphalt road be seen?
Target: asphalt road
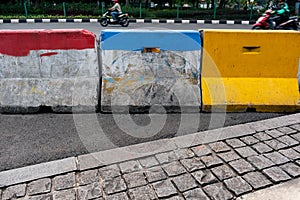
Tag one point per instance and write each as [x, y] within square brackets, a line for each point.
[35, 138]
[96, 27]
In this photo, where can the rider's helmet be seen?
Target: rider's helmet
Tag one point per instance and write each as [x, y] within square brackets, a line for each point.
[116, 1]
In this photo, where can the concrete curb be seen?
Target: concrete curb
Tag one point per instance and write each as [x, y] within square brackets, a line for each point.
[168, 21]
[98, 159]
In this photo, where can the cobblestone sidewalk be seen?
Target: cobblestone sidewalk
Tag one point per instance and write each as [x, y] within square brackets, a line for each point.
[224, 169]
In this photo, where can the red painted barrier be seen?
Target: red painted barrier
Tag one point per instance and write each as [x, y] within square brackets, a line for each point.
[55, 68]
[20, 42]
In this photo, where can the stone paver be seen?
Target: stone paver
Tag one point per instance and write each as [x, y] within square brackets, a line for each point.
[174, 169]
[234, 143]
[296, 136]
[297, 148]
[109, 172]
[275, 144]
[39, 186]
[262, 147]
[223, 172]
[149, 162]
[90, 191]
[219, 147]
[196, 194]
[277, 158]
[288, 140]
[290, 153]
[296, 127]
[175, 198]
[211, 161]
[87, 177]
[114, 185]
[204, 177]
[130, 166]
[69, 194]
[184, 182]
[117, 196]
[241, 166]
[164, 188]
[262, 136]
[201, 150]
[249, 140]
[166, 157]
[183, 153]
[292, 169]
[144, 192]
[276, 174]
[286, 130]
[192, 164]
[246, 152]
[155, 174]
[260, 162]
[257, 180]
[274, 133]
[237, 185]
[14, 191]
[41, 197]
[64, 181]
[217, 191]
[135, 179]
[229, 156]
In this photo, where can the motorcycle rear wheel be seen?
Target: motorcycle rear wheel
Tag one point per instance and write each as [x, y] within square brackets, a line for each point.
[124, 22]
[104, 22]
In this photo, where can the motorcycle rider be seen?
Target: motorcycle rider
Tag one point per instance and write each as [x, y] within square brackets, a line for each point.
[282, 11]
[116, 10]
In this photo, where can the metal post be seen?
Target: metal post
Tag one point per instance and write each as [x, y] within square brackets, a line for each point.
[64, 8]
[25, 8]
[177, 16]
[251, 12]
[102, 7]
[215, 10]
[140, 10]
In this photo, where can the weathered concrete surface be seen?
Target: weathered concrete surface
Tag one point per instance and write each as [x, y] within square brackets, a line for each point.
[149, 71]
[61, 77]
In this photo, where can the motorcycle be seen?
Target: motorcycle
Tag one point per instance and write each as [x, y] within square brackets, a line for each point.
[122, 19]
[266, 21]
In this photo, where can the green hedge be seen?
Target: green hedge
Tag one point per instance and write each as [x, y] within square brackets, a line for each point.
[85, 10]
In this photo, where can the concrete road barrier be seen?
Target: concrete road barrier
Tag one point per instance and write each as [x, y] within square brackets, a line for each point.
[53, 68]
[250, 70]
[144, 69]
[228, 70]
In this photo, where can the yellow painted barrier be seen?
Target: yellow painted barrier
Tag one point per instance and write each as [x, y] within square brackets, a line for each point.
[250, 70]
